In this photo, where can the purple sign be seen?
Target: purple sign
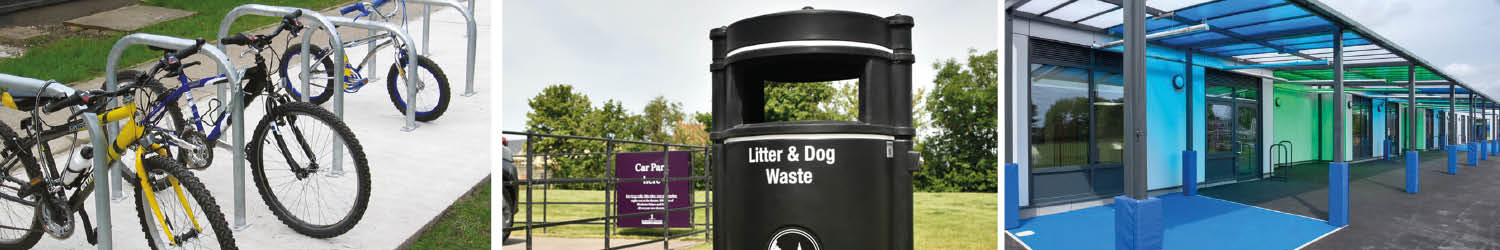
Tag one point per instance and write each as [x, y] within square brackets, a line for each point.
[636, 197]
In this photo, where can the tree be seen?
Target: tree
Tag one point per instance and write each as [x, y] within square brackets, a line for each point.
[796, 101]
[658, 119]
[960, 153]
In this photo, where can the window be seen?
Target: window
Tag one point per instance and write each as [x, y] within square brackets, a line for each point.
[1109, 117]
[1059, 116]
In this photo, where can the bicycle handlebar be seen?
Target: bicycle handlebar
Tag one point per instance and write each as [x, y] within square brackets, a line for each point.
[356, 7]
[84, 97]
[190, 50]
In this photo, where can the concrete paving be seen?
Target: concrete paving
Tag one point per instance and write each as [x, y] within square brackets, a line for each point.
[129, 18]
[1449, 212]
[20, 32]
[415, 175]
[57, 13]
[544, 243]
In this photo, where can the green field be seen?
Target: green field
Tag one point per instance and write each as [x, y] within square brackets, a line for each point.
[80, 58]
[943, 220]
[466, 225]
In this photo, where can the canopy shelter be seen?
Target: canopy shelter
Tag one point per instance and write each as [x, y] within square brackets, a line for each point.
[1293, 38]
[1302, 44]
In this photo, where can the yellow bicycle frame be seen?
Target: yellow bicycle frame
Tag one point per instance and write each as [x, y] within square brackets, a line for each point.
[129, 133]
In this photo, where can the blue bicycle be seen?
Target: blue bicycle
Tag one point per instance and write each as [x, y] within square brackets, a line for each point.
[308, 167]
[431, 98]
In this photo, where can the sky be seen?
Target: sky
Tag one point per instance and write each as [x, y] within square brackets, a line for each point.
[633, 51]
[1453, 35]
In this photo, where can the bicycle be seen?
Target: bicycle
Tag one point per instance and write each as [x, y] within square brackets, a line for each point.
[354, 81]
[291, 129]
[167, 218]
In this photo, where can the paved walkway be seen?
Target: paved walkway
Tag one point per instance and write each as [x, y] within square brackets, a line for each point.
[414, 175]
[1451, 211]
[543, 243]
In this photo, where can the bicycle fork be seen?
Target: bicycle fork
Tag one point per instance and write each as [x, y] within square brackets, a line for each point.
[149, 192]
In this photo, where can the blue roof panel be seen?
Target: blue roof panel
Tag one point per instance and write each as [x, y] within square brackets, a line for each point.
[1302, 40]
[1247, 52]
[1194, 38]
[1283, 12]
[1286, 25]
[1232, 47]
[1220, 8]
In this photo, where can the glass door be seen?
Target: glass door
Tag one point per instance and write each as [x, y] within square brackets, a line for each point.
[1247, 152]
[1360, 126]
[1219, 159]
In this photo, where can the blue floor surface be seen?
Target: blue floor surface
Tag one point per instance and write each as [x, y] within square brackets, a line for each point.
[1192, 222]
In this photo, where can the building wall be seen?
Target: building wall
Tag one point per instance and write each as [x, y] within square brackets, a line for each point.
[1167, 117]
[1296, 121]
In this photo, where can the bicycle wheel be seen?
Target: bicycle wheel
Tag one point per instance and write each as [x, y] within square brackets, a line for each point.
[291, 74]
[303, 182]
[430, 103]
[176, 221]
[20, 223]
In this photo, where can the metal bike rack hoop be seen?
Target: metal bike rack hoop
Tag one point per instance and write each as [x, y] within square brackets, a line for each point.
[334, 40]
[101, 171]
[209, 50]
[336, 44]
[473, 33]
[411, 55]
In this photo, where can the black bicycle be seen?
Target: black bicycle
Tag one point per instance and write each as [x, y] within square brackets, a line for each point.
[308, 167]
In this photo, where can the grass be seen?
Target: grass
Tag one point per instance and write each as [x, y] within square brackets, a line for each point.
[81, 58]
[943, 220]
[466, 225]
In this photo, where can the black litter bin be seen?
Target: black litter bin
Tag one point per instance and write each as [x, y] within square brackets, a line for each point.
[813, 184]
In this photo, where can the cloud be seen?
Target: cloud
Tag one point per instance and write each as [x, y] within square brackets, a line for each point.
[1460, 69]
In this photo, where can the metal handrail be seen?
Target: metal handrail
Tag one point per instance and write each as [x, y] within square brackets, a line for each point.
[240, 221]
[473, 33]
[411, 54]
[236, 106]
[532, 180]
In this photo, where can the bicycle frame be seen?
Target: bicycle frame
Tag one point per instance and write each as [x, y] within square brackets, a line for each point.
[127, 138]
[159, 110]
[353, 80]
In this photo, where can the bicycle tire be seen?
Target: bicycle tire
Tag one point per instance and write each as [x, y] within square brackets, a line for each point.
[293, 89]
[201, 195]
[35, 233]
[256, 153]
[442, 81]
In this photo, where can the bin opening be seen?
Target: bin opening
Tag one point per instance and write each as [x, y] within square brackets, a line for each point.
[804, 101]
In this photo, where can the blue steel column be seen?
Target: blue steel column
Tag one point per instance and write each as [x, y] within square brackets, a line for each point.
[1138, 217]
[1189, 156]
[1338, 170]
[1413, 176]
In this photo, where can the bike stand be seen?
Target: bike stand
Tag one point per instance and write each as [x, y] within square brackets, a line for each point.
[427, 31]
[411, 52]
[110, 83]
[238, 146]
